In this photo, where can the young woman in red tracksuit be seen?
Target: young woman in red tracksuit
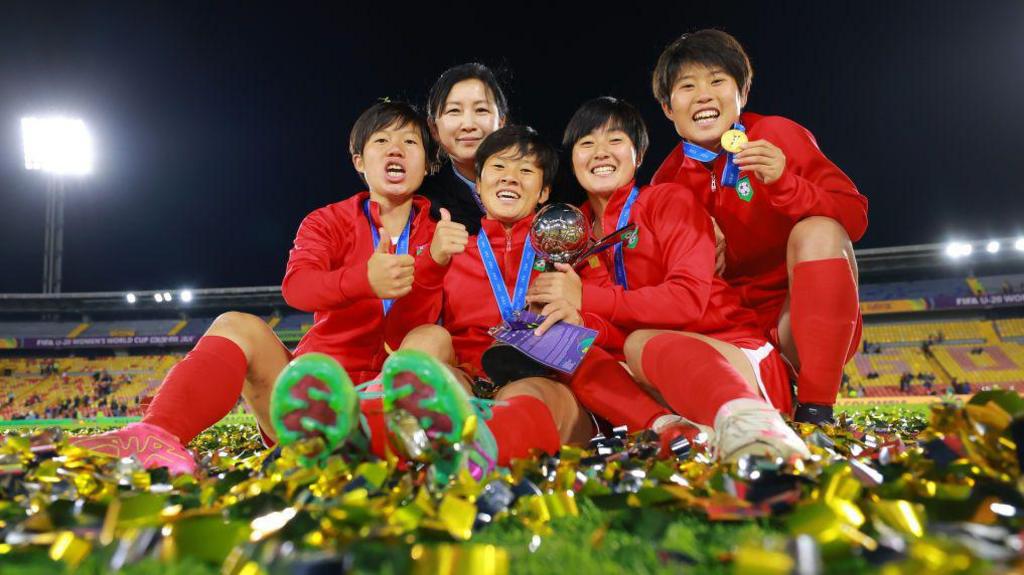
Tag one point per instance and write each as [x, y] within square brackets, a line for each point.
[786, 214]
[515, 169]
[692, 338]
[350, 259]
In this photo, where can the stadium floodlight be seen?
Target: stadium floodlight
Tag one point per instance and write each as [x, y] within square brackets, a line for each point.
[57, 145]
[130, 297]
[992, 247]
[167, 296]
[158, 297]
[957, 250]
[1019, 245]
[185, 295]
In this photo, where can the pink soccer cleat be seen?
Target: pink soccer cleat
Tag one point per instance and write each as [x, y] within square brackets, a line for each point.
[152, 445]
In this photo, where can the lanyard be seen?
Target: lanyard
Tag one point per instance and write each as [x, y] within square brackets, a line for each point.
[620, 260]
[400, 249]
[507, 307]
[730, 173]
[472, 189]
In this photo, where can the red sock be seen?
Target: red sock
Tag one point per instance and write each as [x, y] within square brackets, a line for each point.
[605, 388]
[373, 410]
[522, 424]
[692, 376]
[823, 311]
[200, 389]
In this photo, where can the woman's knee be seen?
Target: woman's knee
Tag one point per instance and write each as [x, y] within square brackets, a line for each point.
[431, 339]
[244, 329]
[817, 238]
[427, 333]
[633, 349]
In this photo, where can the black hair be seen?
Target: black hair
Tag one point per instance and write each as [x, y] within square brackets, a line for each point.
[526, 142]
[613, 113]
[711, 48]
[383, 114]
[469, 71]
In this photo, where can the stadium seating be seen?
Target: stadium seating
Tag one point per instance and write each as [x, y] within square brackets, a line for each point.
[130, 327]
[916, 332]
[979, 352]
[32, 386]
[1011, 329]
[915, 289]
[982, 353]
[1013, 283]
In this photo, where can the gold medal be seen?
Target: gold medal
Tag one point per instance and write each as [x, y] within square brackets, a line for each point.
[732, 140]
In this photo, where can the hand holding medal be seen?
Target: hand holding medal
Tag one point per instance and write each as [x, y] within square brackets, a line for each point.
[765, 159]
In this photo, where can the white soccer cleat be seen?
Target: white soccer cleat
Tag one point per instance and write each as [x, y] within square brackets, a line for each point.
[752, 427]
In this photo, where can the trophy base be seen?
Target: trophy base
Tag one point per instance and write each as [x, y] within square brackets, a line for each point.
[504, 363]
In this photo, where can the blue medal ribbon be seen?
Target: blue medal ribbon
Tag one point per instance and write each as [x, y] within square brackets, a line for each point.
[730, 173]
[401, 249]
[506, 306]
[620, 259]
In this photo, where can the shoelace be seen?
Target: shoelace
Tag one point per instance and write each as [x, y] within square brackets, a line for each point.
[480, 456]
[482, 408]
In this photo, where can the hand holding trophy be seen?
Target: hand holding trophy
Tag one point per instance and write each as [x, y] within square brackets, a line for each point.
[560, 234]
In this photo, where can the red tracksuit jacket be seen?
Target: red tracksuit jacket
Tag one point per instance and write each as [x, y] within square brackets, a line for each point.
[326, 275]
[757, 224]
[670, 274]
[460, 292]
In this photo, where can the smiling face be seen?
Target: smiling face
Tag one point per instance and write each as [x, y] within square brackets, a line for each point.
[604, 160]
[703, 104]
[468, 115]
[393, 161]
[511, 185]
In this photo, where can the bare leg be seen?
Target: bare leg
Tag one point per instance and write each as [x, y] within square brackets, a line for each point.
[265, 356]
[814, 238]
[436, 342]
[638, 339]
[574, 424]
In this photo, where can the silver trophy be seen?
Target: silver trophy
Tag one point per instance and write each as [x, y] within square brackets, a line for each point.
[560, 234]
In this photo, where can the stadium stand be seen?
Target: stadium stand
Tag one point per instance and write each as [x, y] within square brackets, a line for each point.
[130, 327]
[949, 354]
[1011, 329]
[915, 289]
[908, 357]
[47, 388]
[911, 333]
[37, 328]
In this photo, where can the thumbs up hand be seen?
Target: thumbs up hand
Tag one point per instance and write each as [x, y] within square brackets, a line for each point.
[450, 238]
[390, 274]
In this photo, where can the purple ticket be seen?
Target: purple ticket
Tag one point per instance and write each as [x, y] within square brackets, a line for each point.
[562, 347]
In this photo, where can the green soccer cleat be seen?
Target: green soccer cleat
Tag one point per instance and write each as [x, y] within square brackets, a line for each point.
[314, 397]
[431, 419]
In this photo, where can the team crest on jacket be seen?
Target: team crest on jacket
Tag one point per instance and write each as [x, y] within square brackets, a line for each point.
[540, 265]
[632, 238]
[744, 189]
[420, 249]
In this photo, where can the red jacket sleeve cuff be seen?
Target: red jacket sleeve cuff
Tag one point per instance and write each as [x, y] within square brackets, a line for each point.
[428, 273]
[599, 301]
[354, 283]
[783, 191]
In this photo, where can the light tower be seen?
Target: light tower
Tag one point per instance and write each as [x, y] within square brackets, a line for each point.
[58, 147]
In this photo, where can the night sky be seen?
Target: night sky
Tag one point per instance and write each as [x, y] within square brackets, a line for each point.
[219, 126]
